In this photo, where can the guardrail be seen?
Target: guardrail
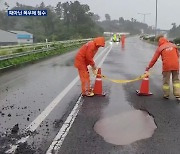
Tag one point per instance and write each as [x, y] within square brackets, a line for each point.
[11, 56]
[40, 44]
[46, 47]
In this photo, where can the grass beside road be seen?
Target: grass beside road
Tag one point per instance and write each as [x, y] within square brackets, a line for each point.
[36, 56]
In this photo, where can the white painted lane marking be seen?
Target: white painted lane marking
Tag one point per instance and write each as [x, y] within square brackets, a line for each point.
[35, 124]
[58, 140]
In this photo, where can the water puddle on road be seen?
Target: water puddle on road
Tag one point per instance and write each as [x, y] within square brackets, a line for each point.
[126, 128]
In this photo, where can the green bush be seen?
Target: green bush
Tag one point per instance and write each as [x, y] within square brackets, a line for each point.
[176, 40]
[18, 50]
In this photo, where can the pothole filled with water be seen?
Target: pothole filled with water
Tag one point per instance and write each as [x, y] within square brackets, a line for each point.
[126, 128]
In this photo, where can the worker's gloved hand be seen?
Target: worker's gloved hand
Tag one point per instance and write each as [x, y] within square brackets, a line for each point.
[94, 69]
[146, 73]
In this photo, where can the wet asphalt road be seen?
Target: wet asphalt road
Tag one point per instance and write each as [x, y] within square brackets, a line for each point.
[24, 95]
[26, 92]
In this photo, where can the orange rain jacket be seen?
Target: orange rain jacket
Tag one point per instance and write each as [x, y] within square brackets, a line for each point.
[123, 38]
[85, 55]
[169, 54]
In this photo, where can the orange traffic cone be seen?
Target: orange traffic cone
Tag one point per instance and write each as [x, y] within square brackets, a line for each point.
[98, 84]
[144, 89]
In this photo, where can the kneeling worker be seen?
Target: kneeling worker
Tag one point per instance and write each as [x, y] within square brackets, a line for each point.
[170, 60]
[83, 58]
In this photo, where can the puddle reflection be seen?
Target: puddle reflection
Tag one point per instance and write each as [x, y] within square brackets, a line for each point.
[126, 128]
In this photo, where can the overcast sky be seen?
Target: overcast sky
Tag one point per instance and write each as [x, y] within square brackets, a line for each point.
[168, 10]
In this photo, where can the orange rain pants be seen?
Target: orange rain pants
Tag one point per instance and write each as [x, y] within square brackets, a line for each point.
[123, 40]
[85, 80]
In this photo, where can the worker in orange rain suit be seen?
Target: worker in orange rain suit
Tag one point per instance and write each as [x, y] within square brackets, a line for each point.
[170, 60]
[83, 58]
[123, 40]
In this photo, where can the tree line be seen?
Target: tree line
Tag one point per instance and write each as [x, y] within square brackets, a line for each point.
[132, 26]
[69, 20]
[174, 31]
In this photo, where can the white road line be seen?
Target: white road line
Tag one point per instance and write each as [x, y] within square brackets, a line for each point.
[35, 124]
[58, 140]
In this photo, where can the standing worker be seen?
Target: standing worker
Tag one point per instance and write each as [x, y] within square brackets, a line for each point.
[83, 58]
[114, 38]
[170, 60]
[123, 40]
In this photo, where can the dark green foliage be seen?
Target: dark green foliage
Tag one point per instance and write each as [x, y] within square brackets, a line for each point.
[177, 41]
[174, 31]
[70, 20]
[132, 26]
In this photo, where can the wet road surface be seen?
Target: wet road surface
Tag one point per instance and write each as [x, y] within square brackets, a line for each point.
[142, 124]
[103, 122]
[28, 97]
